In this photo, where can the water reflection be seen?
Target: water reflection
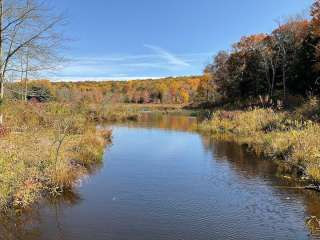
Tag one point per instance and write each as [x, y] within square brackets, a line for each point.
[20, 227]
[161, 121]
[173, 185]
[28, 224]
[275, 174]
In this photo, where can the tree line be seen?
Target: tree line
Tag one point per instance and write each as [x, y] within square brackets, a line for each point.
[178, 90]
[278, 65]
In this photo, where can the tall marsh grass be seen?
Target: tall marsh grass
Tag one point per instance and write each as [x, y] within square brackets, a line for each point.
[44, 150]
[277, 135]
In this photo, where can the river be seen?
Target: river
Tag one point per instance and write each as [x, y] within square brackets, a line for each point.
[161, 181]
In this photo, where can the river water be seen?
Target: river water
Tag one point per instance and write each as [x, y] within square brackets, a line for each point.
[161, 181]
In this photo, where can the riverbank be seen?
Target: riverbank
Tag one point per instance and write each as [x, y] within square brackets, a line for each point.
[132, 112]
[45, 148]
[288, 136]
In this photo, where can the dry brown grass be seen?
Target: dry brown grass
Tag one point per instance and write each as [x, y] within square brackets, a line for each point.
[275, 135]
[44, 150]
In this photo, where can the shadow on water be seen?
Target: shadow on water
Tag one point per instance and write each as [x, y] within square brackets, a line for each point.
[161, 121]
[256, 188]
[27, 224]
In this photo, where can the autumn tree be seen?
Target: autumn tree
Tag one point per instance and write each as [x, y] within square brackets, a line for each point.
[274, 65]
[206, 89]
[219, 72]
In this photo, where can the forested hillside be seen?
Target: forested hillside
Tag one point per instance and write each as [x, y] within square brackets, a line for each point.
[180, 90]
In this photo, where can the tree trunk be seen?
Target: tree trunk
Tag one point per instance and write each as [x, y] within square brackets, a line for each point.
[1, 88]
[284, 81]
[1, 62]
[26, 90]
[26, 80]
[1, 97]
[273, 81]
[284, 77]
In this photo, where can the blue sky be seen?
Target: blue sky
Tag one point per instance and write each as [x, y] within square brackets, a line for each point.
[125, 39]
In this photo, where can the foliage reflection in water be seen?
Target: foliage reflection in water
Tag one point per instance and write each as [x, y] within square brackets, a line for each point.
[161, 181]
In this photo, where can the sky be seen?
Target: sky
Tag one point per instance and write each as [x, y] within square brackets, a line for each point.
[137, 39]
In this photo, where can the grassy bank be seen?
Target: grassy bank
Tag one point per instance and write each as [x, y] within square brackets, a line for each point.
[288, 136]
[129, 112]
[44, 150]
[110, 112]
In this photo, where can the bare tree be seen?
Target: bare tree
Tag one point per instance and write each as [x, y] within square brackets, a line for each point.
[288, 37]
[29, 40]
[29, 32]
[270, 60]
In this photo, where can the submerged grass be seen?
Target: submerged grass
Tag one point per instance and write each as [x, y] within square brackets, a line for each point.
[278, 135]
[44, 150]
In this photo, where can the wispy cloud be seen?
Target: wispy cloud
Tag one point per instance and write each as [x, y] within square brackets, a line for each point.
[110, 78]
[157, 63]
[170, 57]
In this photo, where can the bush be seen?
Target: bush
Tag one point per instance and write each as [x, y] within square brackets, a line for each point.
[40, 93]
